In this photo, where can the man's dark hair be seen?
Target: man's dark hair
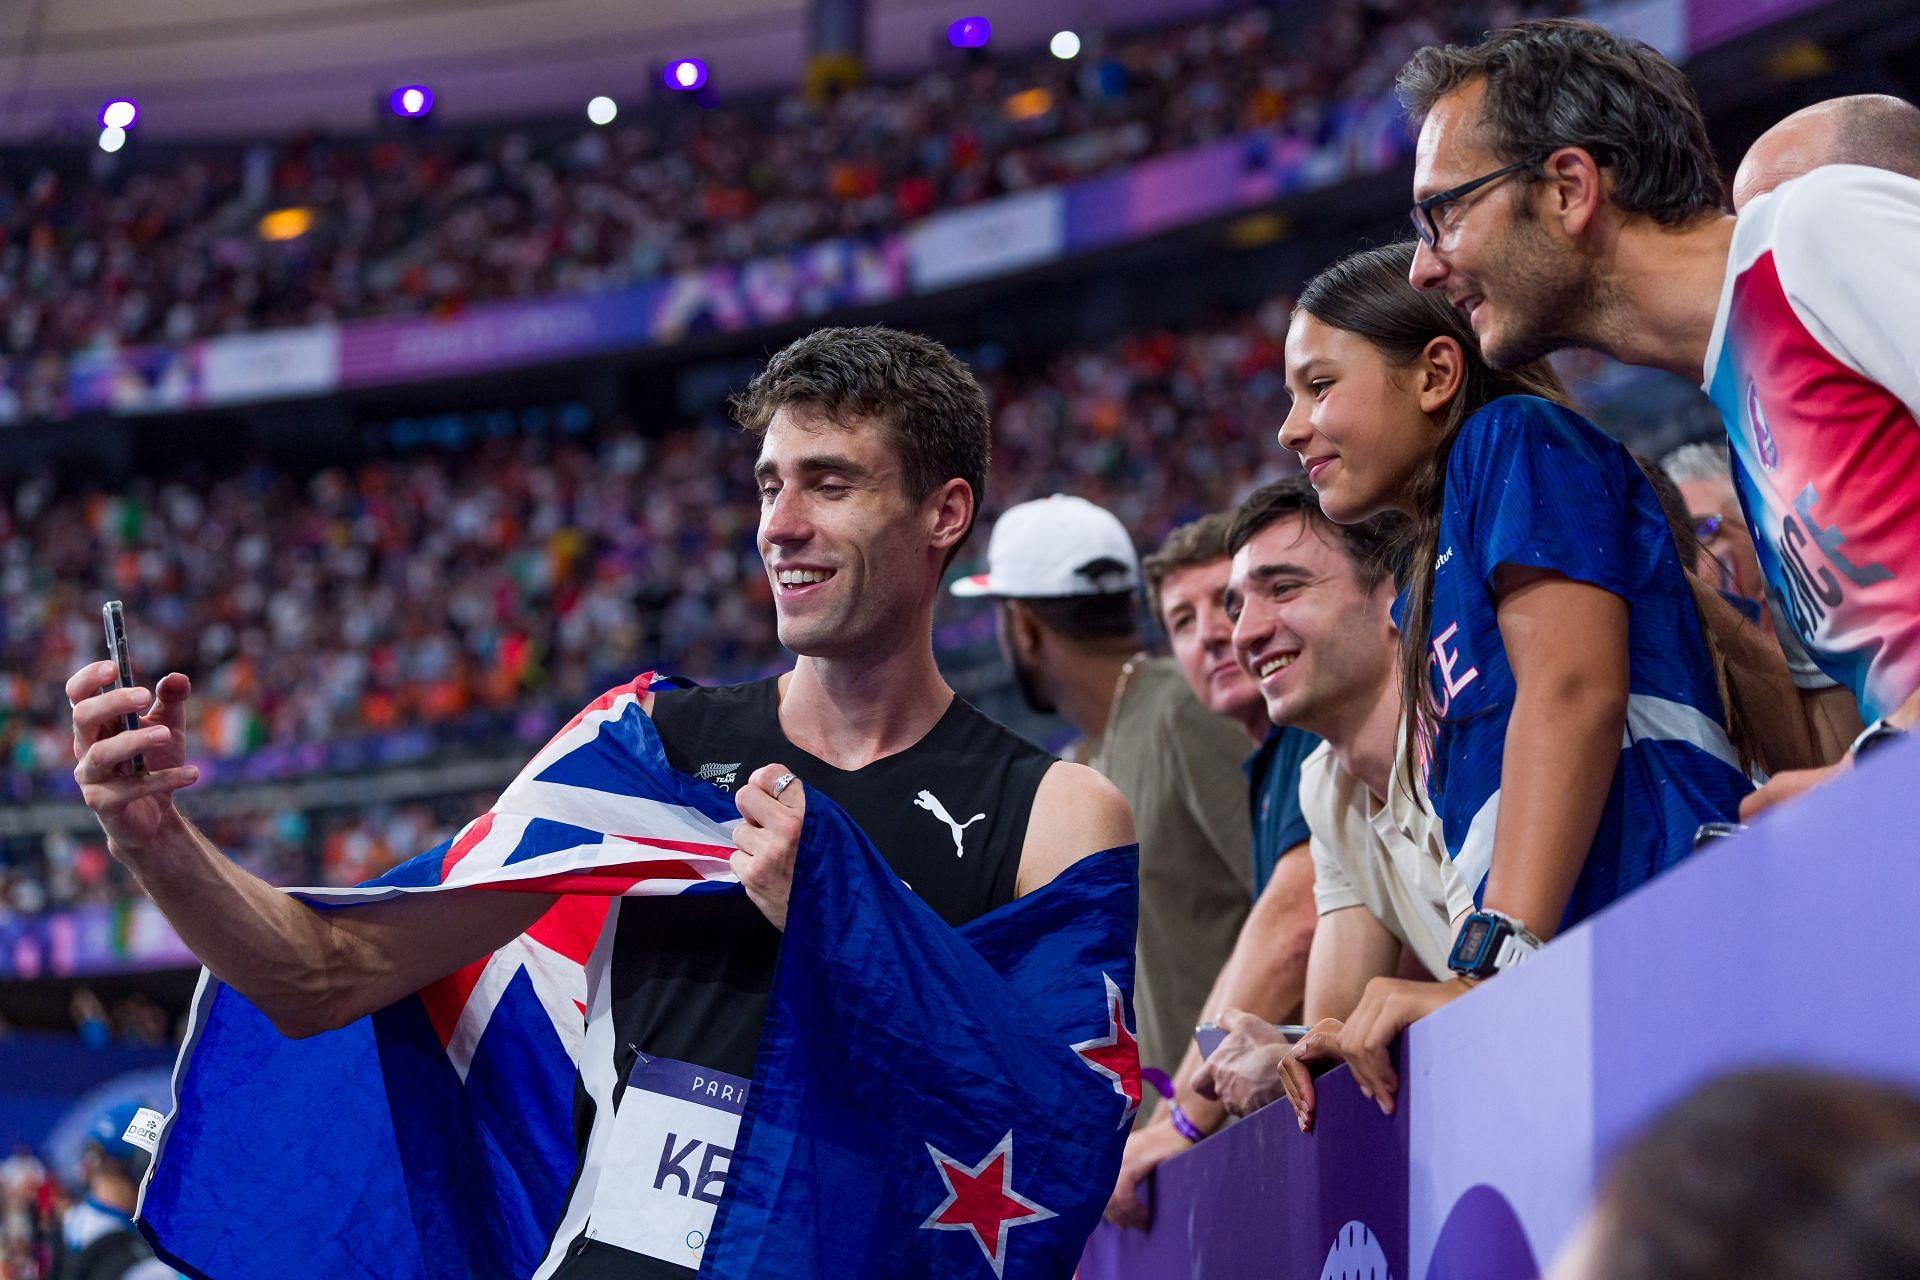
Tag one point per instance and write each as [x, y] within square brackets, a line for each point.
[1719, 1186]
[1374, 545]
[930, 404]
[1200, 542]
[1101, 621]
[1561, 82]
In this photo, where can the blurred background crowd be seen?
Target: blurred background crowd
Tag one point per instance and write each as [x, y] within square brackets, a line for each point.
[172, 248]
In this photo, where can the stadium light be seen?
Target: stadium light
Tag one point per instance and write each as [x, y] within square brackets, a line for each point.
[602, 110]
[684, 75]
[970, 33]
[119, 114]
[112, 139]
[1028, 104]
[286, 224]
[1064, 45]
[411, 100]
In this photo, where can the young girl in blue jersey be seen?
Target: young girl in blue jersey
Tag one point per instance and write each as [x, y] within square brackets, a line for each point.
[1559, 688]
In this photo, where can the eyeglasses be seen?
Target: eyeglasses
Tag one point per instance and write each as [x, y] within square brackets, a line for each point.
[1424, 214]
[1706, 528]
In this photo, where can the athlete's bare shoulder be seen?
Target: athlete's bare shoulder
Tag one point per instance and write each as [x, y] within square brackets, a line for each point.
[1076, 813]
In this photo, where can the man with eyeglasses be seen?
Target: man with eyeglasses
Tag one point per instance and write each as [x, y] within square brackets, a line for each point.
[1702, 472]
[1565, 195]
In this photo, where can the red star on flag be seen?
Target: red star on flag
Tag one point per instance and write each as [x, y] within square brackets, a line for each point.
[981, 1200]
[1115, 1055]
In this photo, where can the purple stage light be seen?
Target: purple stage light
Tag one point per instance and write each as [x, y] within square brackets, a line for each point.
[119, 113]
[970, 33]
[411, 100]
[684, 75]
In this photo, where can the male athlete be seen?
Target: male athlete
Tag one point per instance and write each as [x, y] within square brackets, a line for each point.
[1565, 196]
[873, 458]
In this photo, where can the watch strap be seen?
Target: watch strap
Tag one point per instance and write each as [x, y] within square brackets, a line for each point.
[1874, 736]
[1515, 947]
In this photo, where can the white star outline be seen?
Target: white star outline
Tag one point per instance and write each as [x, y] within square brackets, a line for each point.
[996, 1256]
[1108, 1041]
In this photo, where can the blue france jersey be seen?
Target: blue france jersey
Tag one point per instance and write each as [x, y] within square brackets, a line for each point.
[1532, 484]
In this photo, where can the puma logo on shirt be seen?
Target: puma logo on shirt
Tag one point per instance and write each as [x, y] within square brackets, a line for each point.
[931, 803]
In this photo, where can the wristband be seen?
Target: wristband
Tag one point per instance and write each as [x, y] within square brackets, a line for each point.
[1183, 1126]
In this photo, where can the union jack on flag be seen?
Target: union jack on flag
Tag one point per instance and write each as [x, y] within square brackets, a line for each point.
[979, 1134]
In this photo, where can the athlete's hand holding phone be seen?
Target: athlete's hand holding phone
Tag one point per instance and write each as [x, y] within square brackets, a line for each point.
[130, 743]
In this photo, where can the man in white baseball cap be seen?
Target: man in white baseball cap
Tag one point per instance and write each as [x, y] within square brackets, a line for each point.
[1067, 578]
[1066, 581]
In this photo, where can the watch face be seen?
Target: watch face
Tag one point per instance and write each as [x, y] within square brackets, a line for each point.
[1473, 939]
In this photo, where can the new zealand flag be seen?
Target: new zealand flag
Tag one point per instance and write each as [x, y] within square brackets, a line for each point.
[927, 1101]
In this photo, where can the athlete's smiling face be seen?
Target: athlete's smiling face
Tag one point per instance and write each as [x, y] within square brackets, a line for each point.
[851, 557]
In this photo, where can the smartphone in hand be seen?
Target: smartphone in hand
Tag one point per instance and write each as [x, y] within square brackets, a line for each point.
[114, 616]
[1208, 1035]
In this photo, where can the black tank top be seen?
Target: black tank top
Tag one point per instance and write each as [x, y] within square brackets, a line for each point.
[691, 974]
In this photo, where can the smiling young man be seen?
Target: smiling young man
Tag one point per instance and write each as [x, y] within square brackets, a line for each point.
[872, 457]
[1266, 971]
[1312, 607]
[1565, 195]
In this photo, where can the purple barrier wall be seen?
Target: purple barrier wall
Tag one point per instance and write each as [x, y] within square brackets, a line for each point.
[1790, 944]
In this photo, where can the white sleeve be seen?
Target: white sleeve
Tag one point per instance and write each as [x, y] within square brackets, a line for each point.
[1847, 247]
[1332, 890]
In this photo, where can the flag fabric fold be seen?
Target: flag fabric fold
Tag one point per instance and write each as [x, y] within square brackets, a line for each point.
[927, 1101]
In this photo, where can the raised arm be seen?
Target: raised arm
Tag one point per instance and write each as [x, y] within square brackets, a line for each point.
[307, 970]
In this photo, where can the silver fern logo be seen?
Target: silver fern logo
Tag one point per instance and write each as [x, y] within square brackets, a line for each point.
[720, 775]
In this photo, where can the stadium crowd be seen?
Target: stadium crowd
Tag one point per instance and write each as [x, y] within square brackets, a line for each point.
[165, 248]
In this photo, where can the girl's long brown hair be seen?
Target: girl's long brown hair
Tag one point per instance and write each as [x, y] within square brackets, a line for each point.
[1367, 294]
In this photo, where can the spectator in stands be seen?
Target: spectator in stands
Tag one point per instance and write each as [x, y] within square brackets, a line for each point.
[1566, 195]
[1555, 674]
[1186, 583]
[1266, 971]
[1703, 474]
[1312, 604]
[164, 248]
[1873, 129]
[1722, 1185]
[1065, 579]
[97, 1236]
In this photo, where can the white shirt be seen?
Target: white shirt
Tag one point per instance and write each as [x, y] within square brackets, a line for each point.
[1387, 857]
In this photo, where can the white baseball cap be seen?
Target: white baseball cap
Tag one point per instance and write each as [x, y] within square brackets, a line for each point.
[1058, 546]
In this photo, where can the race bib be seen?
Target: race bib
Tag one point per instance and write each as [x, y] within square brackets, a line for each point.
[667, 1163]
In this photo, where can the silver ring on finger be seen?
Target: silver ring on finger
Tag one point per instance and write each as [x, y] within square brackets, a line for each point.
[781, 783]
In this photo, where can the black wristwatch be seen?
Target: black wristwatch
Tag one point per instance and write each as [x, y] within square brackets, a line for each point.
[1875, 736]
[1488, 943]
